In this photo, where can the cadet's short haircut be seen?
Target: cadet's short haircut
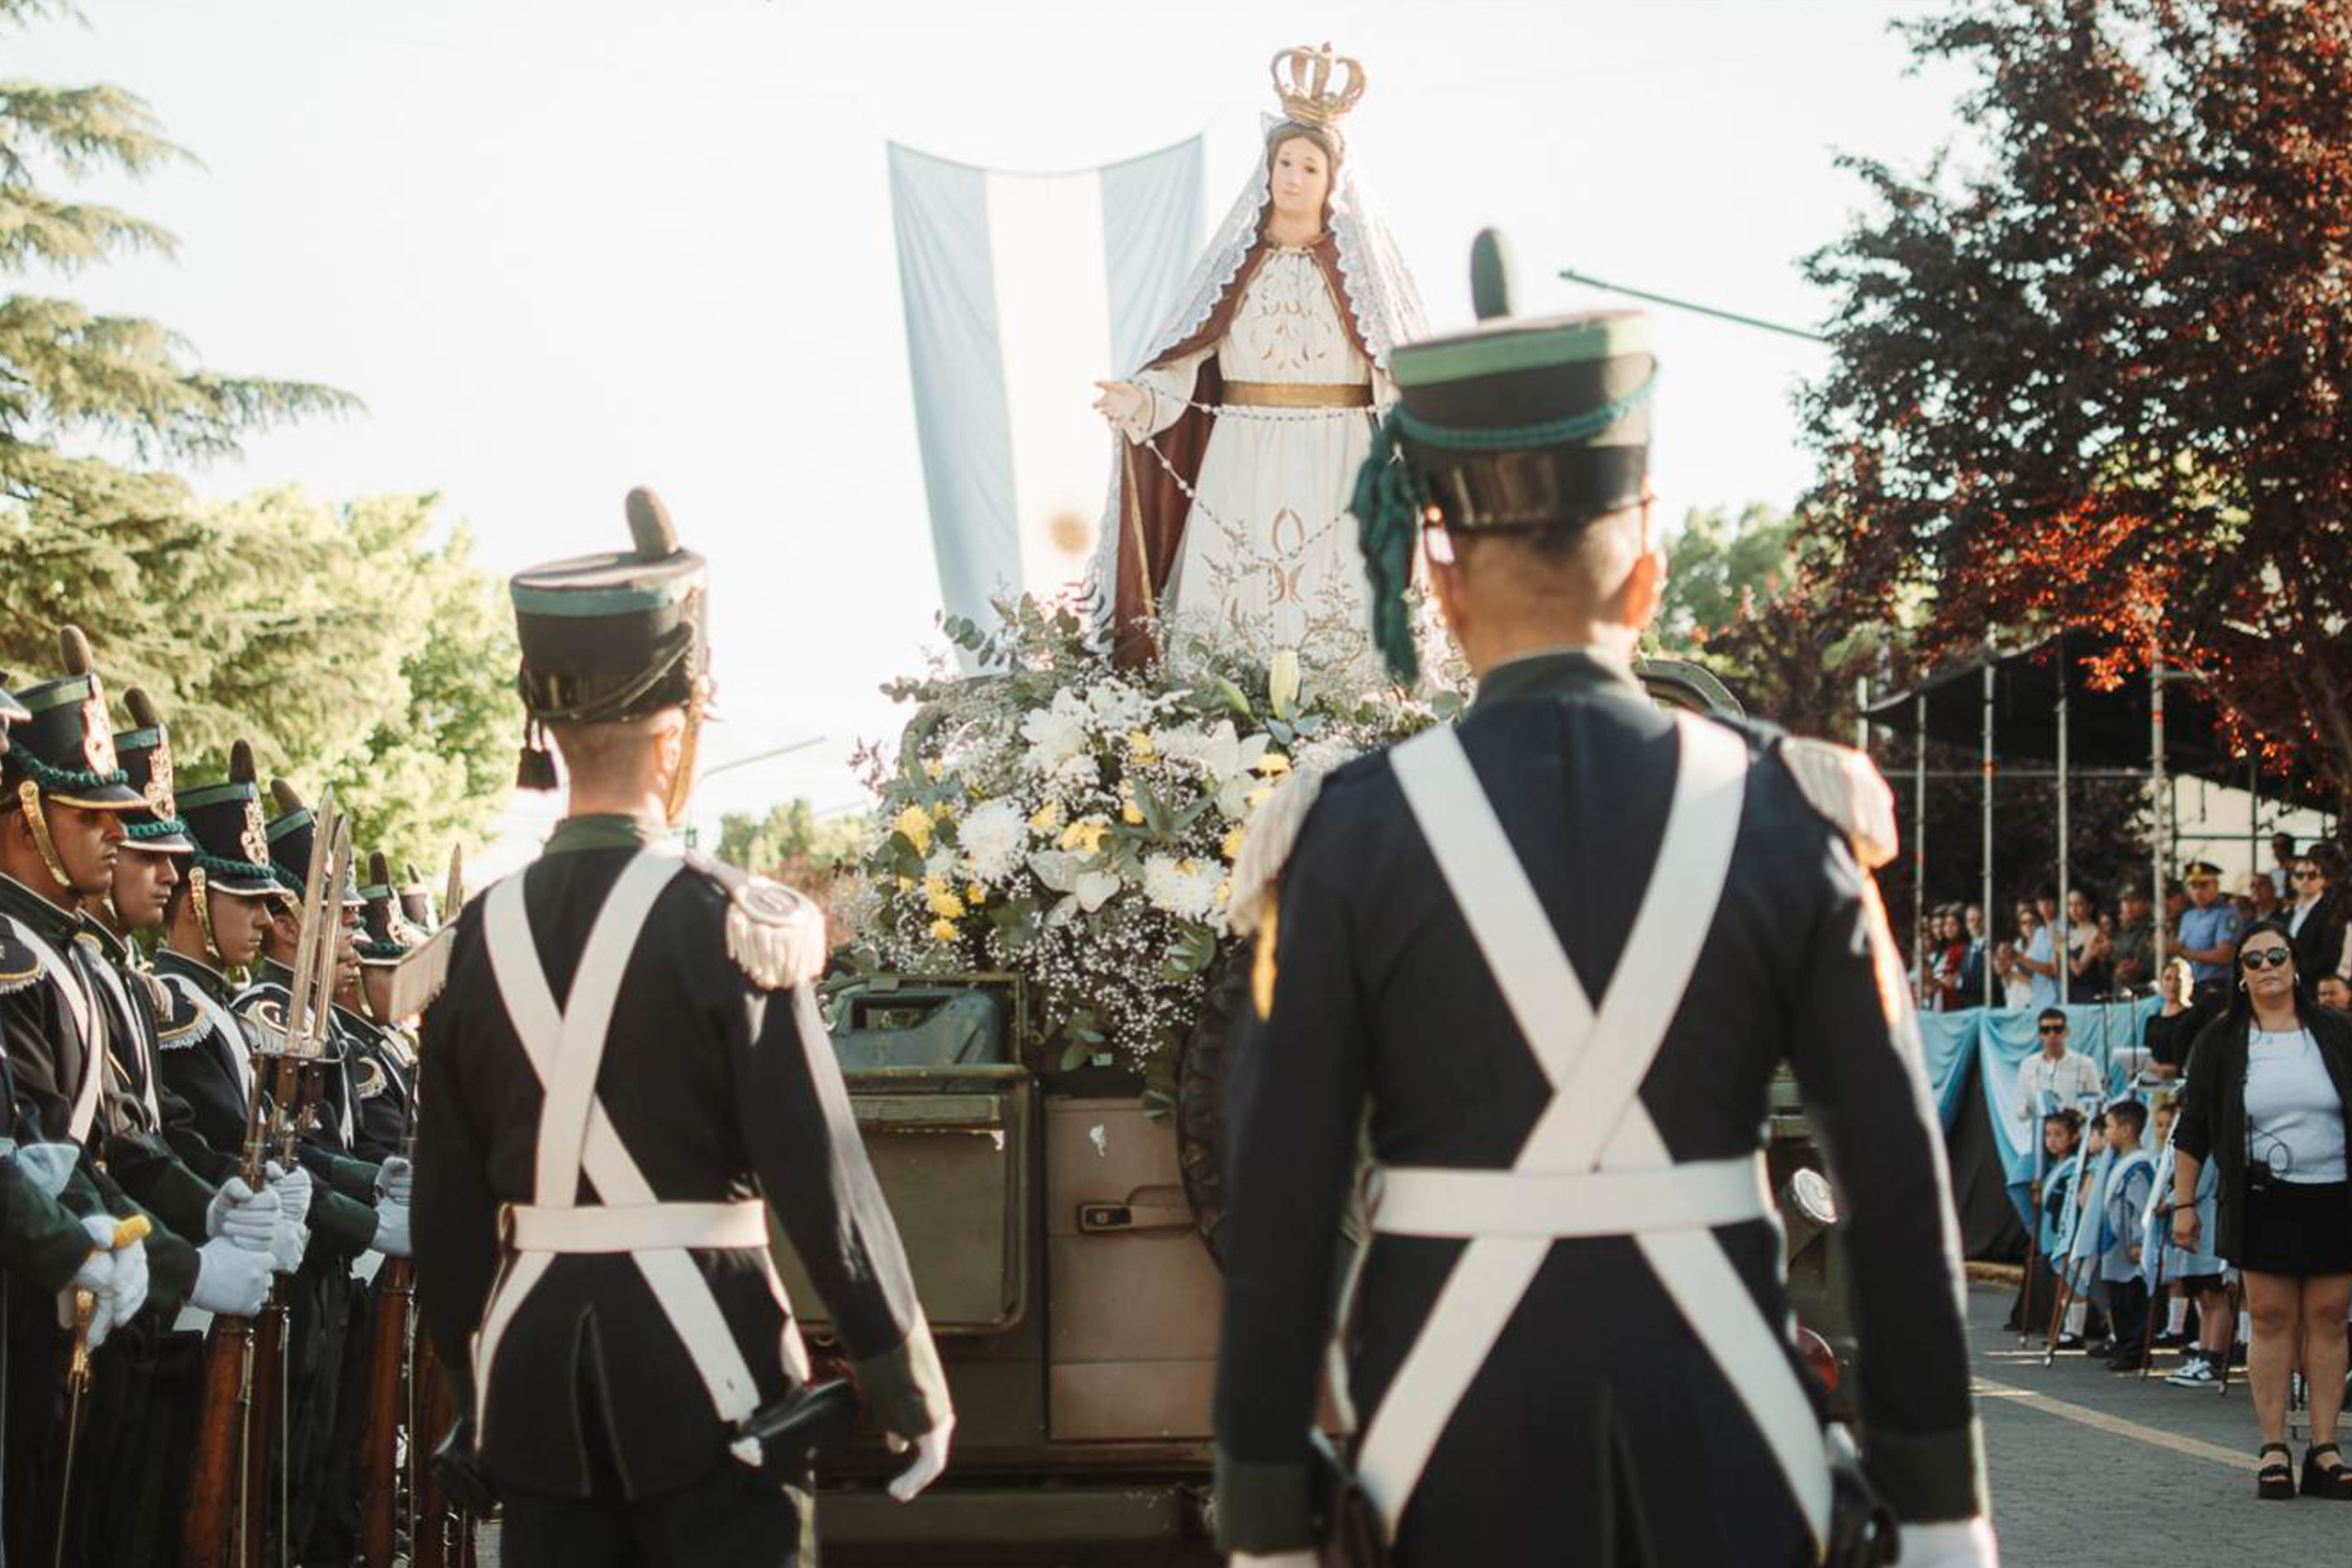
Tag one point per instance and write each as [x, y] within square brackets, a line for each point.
[2048, 1013]
[2131, 1111]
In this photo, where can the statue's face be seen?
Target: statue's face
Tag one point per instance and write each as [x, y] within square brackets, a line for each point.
[1301, 180]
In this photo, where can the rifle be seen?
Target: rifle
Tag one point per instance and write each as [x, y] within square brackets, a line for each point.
[243, 1358]
[395, 1357]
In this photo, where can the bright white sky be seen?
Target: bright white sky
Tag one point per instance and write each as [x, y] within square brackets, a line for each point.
[559, 249]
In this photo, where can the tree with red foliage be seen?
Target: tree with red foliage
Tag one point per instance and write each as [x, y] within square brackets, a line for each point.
[2103, 379]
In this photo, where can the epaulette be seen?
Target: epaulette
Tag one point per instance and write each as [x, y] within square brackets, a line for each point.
[1844, 786]
[18, 967]
[179, 1022]
[1266, 845]
[774, 934]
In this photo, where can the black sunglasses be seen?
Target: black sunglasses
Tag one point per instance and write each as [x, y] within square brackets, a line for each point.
[2307, 874]
[2267, 957]
[2053, 1029]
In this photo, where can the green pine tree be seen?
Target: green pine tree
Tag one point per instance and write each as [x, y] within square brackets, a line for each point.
[353, 644]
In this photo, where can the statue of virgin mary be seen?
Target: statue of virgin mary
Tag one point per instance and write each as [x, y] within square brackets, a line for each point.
[1239, 438]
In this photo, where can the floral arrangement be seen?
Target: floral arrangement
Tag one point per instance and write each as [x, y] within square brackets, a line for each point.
[1074, 822]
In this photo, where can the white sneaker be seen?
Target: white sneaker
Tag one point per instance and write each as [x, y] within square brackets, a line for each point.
[2194, 1371]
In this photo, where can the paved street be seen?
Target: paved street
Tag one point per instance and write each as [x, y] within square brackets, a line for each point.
[2092, 1468]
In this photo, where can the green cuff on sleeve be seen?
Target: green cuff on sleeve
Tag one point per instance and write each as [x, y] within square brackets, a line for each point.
[171, 1274]
[343, 1225]
[1929, 1477]
[40, 1240]
[1261, 1506]
[355, 1179]
[904, 1388]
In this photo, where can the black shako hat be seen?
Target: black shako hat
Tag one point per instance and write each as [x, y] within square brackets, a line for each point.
[11, 710]
[610, 637]
[232, 836]
[63, 748]
[145, 755]
[293, 839]
[386, 935]
[1513, 426]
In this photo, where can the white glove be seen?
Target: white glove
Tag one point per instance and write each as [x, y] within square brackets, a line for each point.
[287, 1244]
[244, 1216]
[395, 1179]
[391, 1229]
[1952, 1543]
[293, 1189]
[95, 1275]
[931, 1457]
[231, 1281]
[127, 1293]
[1274, 1559]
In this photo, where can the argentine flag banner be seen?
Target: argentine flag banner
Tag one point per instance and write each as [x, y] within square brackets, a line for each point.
[1021, 291]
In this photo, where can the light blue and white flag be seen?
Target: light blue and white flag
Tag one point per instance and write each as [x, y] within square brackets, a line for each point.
[1021, 291]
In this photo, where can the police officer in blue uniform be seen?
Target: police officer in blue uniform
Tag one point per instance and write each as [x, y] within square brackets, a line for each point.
[1558, 949]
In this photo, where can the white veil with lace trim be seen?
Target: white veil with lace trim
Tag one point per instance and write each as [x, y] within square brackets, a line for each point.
[1381, 296]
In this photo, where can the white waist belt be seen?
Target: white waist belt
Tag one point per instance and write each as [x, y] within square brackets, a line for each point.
[1429, 1200]
[636, 1227]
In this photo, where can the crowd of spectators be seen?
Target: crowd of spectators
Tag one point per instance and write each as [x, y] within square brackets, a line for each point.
[2111, 946]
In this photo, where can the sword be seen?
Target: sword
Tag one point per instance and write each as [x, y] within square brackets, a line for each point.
[77, 1374]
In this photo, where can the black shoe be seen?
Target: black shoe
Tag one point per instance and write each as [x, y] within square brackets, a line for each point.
[2167, 1341]
[2123, 1361]
[2276, 1479]
[2326, 1480]
[2070, 1342]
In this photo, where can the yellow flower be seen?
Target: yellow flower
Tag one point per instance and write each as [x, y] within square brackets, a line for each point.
[1046, 818]
[1233, 837]
[914, 825]
[944, 812]
[934, 767]
[944, 931]
[1085, 834]
[906, 885]
[976, 895]
[1139, 747]
[1131, 814]
[942, 898]
[1273, 764]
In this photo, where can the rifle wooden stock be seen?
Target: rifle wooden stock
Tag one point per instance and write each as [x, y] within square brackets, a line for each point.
[434, 1406]
[387, 1370]
[207, 1528]
[269, 1337]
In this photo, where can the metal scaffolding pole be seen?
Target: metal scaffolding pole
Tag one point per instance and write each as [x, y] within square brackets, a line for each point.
[1991, 920]
[2159, 837]
[1919, 842]
[2062, 949]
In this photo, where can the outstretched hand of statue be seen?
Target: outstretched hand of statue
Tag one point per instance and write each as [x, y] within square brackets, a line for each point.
[1121, 402]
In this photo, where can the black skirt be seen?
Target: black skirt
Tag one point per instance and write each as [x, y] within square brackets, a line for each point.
[2297, 1228]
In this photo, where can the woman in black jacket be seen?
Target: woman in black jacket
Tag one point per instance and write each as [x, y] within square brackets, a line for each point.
[2269, 1100]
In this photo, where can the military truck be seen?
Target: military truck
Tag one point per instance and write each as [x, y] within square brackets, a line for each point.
[1063, 1236]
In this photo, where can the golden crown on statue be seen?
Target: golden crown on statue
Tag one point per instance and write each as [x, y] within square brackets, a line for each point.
[1302, 81]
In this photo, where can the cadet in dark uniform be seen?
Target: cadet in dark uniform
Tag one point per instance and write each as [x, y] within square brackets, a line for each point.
[63, 804]
[627, 1057]
[1560, 948]
[140, 1422]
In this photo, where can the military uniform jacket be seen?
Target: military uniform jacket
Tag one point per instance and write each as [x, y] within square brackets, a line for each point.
[1597, 1428]
[719, 1087]
[136, 1152]
[200, 1065]
[381, 1071]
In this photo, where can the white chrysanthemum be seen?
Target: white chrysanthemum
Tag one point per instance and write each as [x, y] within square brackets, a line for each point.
[1114, 705]
[992, 836]
[1185, 889]
[1057, 735]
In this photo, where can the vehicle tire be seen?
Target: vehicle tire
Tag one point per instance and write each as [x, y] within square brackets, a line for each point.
[1204, 1075]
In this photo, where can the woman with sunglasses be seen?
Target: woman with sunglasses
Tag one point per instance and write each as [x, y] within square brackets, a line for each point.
[2268, 1100]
